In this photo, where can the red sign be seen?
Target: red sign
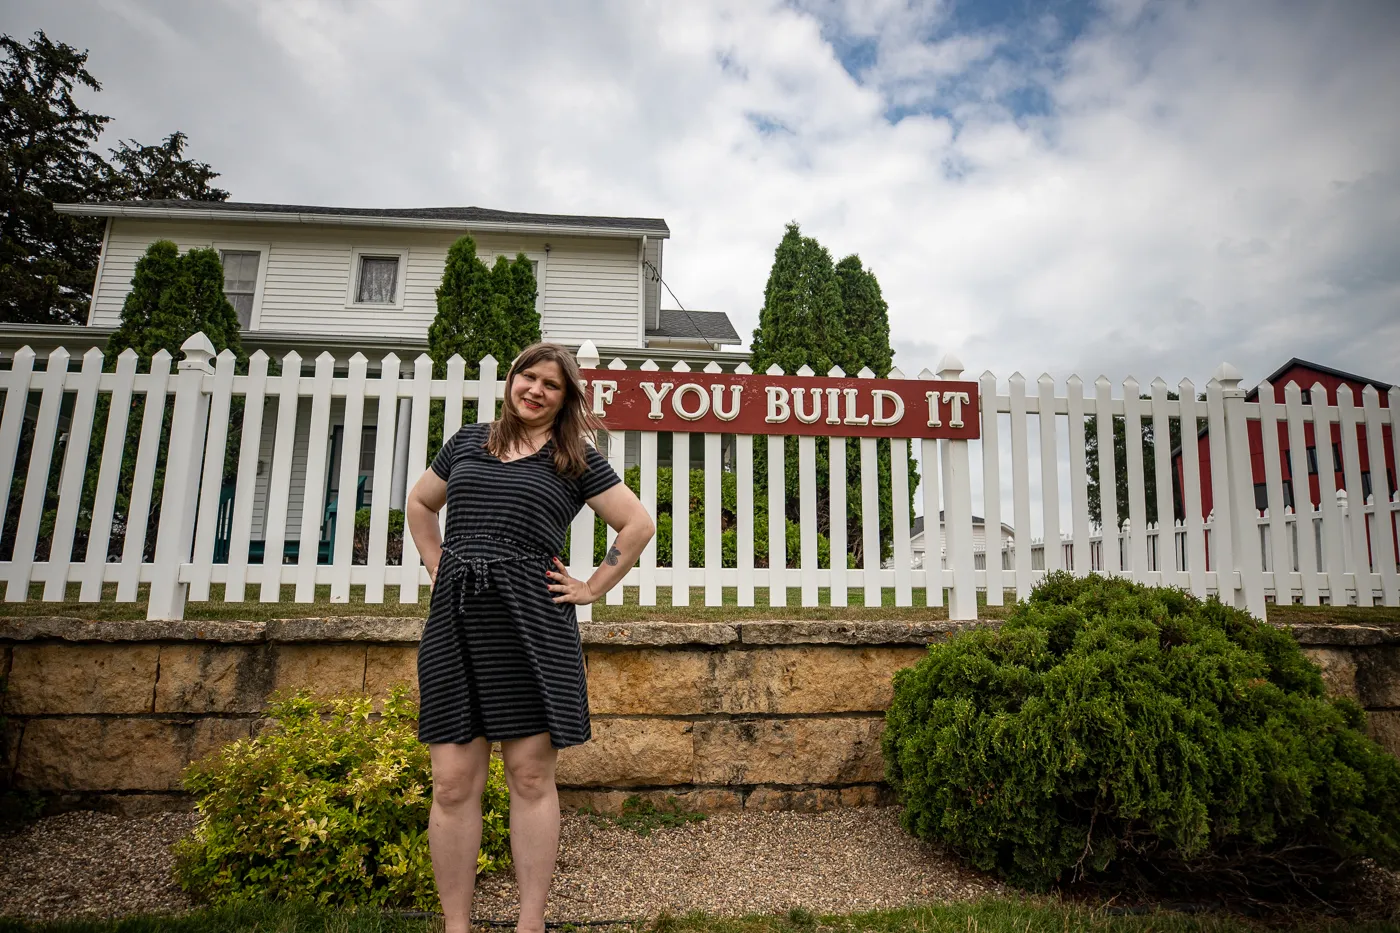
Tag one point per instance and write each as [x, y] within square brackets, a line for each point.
[728, 403]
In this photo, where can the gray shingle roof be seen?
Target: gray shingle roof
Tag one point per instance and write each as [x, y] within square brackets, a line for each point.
[713, 326]
[465, 215]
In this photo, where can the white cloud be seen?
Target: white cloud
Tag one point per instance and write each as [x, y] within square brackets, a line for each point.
[1210, 182]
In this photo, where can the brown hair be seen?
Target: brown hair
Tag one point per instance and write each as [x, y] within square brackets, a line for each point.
[573, 423]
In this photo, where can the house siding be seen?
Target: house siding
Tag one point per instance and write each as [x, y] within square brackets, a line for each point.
[590, 288]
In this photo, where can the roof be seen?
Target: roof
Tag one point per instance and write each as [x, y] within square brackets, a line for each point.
[470, 217]
[1317, 368]
[712, 326]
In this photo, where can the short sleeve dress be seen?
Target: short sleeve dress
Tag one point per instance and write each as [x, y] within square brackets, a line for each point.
[499, 658]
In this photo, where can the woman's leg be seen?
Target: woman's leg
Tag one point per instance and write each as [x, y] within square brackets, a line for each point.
[454, 826]
[534, 823]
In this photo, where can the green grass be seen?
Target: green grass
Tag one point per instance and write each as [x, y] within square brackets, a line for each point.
[253, 610]
[1000, 915]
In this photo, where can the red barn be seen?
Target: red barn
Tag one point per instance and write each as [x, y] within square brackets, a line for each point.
[1306, 375]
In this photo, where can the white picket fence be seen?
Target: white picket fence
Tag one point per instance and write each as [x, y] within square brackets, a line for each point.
[1344, 553]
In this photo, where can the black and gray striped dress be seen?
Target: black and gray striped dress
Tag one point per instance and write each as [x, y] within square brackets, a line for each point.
[499, 658]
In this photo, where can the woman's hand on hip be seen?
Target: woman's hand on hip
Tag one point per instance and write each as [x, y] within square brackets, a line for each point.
[567, 589]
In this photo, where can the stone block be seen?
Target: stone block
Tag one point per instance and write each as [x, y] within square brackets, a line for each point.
[327, 670]
[389, 665]
[812, 678]
[1378, 676]
[68, 678]
[1309, 633]
[817, 799]
[65, 628]
[87, 754]
[1338, 669]
[654, 682]
[789, 751]
[697, 800]
[630, 753]
[386, 630]
[202, 678]
[657, 634]
[1384, 727]
[830, 632]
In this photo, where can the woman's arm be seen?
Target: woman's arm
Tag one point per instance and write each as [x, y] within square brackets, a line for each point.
[425, 500]
[622, 510]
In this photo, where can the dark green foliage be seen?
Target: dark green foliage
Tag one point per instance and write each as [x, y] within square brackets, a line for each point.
[867, 317]
[47, 259]
[172, 298]
[822, 315]
[1120, 466]
[481, 311]
[802, 322]
[160, 172]
[329, 805]
[1119, 732]
[644, 817]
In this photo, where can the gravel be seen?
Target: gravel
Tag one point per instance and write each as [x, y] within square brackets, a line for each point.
[99, 865]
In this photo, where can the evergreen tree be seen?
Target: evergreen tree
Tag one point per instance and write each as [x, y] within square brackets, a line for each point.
[160, 172]
[172, 298]
[867, 318]
[47, 259]
[802, 321]
[480, 311]
[806, 320]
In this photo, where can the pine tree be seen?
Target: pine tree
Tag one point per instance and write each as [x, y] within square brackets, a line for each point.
[521, 308]
[867, 317]
[802, 321]
[807, 320]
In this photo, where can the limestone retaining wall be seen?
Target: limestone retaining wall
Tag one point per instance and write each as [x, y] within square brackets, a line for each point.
[760, 715]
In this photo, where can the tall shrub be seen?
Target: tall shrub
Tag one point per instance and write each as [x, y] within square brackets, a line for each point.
[1114, 731]
[823, 314]
[480, 311]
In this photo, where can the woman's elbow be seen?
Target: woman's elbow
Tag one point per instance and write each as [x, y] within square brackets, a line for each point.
[646, 528]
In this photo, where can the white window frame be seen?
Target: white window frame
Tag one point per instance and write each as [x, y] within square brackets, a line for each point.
[262, 249]
[488, 256]
[352, 289]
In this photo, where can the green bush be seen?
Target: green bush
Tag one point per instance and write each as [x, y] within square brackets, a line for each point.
[1129, 734]
[329, 804]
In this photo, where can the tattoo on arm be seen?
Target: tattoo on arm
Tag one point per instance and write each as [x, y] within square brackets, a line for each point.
[613, 555]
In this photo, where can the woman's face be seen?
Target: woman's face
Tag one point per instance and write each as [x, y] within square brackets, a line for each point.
[538, 393]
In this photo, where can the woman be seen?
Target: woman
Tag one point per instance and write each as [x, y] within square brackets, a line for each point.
[500, 658]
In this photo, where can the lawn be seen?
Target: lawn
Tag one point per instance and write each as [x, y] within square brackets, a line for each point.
[1002, 915]
[253, 610]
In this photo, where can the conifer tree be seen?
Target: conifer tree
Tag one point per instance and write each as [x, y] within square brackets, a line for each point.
[821, 314]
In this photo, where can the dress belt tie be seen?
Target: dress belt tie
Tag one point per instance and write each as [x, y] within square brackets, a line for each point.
[456, 567]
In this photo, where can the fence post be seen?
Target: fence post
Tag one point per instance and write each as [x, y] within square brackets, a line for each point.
[180, 495]
[957, 511]
[581, 530]
[1244, 522]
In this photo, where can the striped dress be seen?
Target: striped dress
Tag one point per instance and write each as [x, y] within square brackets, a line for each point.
[499, 658]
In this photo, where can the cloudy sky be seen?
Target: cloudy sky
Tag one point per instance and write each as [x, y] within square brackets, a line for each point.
[1118, 187]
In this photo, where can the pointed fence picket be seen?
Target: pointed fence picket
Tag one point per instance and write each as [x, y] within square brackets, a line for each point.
[1244, 531]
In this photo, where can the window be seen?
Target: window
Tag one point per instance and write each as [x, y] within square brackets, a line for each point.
[377, 278]
[245, 266]
[1312, 461]
[1261, 496]
[1307, 396]
[1365, 485]
[1336, 458]
[1288, 495]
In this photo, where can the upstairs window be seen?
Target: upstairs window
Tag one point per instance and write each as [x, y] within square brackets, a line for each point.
[376, 278]
[379, 279]
[241, 282]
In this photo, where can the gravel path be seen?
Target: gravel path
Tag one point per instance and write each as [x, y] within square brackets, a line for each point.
[95, 864]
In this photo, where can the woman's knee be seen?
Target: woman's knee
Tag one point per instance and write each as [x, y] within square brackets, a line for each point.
[531, 778]
[459, 774]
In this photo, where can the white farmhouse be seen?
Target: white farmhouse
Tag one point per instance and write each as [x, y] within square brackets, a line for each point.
[347, 280]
